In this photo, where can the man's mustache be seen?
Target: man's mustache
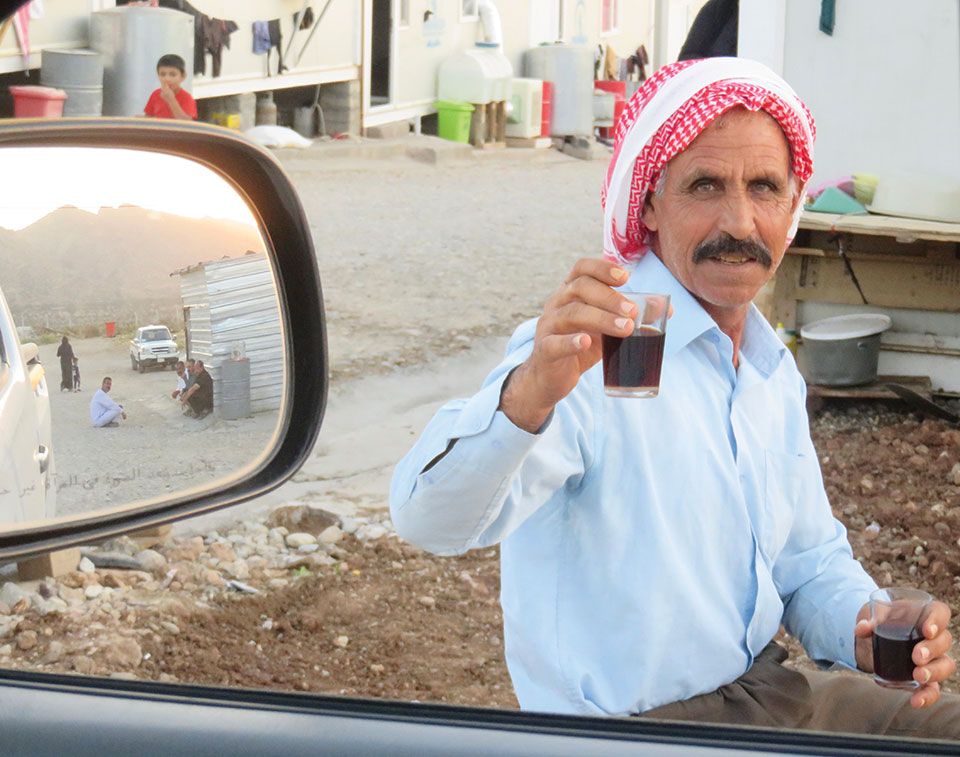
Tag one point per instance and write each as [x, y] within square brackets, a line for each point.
[726, 244]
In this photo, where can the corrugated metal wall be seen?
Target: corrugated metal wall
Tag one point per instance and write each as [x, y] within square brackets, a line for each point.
[230, 302]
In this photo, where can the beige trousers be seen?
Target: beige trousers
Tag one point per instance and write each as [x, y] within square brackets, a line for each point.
[771, 695]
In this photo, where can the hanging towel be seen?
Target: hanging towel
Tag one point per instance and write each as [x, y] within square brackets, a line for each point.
[307, 21]
[261, 37]
[828, 12]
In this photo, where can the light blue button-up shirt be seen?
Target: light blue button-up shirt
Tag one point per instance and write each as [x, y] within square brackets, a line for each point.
[650, 547]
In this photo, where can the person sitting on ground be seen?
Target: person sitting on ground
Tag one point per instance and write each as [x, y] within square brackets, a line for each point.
[171, 100]
[181, 369]
[200, 395]
[76, 373]
[652, 548]
[103, 410]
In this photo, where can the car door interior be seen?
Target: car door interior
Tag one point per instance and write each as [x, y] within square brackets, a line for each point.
[44, 713]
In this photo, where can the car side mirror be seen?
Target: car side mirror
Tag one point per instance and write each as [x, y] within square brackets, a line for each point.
[161, 217]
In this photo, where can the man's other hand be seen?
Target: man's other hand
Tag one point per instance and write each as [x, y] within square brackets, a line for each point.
[930, 655]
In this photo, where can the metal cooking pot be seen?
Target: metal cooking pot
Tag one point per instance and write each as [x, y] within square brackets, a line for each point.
[844, 350]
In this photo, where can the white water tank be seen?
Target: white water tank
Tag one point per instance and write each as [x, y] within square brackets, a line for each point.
[480, 75]
[527, 98]
[569, 69]
[131, 40]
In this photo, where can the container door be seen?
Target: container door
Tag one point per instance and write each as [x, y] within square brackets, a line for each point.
[381, 52]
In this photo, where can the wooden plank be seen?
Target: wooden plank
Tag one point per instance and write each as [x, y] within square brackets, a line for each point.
[52, 564]
[538, 143]
[873, 391]
[889, 226]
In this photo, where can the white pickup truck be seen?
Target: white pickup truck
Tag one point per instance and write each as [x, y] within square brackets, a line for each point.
[153, 345]
[28, 490]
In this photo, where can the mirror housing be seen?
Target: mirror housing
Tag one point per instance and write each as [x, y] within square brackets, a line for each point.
[259, 180]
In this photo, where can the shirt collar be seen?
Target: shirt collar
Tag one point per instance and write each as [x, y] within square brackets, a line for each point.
[760, 344]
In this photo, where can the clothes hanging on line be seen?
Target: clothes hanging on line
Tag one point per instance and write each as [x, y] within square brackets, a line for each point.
[266, 36]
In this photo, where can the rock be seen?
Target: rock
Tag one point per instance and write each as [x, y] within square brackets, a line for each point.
[350, 525]
[256, 562]
[45, 590]
[866, 483]
[170, 627]
[213, 578]
[93, 591]
[331, 535]
[86, 565]
[54, 653]
[4, 608]
[11, 593]
[69, 593]
[6, 650]
[428, 601]
[953, 476]
[917, 461]
[188, 551]
[150, 560]
[237, 569]
[113, 581]
[267, 625]
[371, 531]
[221, 551]
[299, 539]
[341, 641]
[8, 627]
[26, 640]
[82, 664]
[315, 560]
[21, 606]
[377, 669]
[122, 652]
[278, 583]
[48, 606]
[306, 549]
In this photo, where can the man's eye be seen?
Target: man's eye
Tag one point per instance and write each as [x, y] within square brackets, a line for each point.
[704, 186]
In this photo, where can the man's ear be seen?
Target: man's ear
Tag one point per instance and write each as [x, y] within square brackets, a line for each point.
[649, 214]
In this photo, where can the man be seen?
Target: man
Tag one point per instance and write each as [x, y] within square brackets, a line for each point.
[652, 548]
[199, 396]
[181, 370]
[103, 410]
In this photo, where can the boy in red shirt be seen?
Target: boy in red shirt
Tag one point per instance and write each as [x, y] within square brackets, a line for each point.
[171, 100]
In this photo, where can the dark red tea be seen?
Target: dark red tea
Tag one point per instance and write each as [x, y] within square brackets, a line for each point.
[893, 653]
[633, 362]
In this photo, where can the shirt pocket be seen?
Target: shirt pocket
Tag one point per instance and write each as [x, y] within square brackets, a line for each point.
[786, 484]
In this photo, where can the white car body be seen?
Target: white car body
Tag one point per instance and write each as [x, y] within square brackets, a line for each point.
[28, 488]
[153, 345]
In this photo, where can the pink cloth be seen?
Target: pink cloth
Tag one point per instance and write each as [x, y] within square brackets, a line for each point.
[667, 113]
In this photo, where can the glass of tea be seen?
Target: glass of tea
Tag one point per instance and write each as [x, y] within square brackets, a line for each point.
[899, 615]
[631, 365]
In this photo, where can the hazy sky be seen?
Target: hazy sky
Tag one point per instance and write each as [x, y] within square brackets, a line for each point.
[38, 180]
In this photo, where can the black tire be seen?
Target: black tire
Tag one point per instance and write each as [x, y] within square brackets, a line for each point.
[141, 367]
[134, 365]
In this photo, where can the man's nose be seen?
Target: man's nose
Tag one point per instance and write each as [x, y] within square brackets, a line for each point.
[738, 216]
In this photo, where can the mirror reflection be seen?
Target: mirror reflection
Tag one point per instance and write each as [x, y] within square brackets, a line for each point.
[143, 351]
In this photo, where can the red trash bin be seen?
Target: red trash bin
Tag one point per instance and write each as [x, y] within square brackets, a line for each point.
[619, 90]
[111, 327]
[31, 101]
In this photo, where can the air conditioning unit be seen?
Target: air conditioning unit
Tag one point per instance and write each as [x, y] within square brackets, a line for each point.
[527, 99]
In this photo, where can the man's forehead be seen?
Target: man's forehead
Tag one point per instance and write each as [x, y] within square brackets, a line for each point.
[754, 135]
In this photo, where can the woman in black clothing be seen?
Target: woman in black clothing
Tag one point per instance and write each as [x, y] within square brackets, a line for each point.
[65, 353]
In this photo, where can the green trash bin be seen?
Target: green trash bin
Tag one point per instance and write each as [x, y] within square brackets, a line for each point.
[453, 120]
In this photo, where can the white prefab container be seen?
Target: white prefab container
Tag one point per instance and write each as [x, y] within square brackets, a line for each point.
[527, 98]
[481, 75]
[131, 40]
[569, 69]
[231, 306]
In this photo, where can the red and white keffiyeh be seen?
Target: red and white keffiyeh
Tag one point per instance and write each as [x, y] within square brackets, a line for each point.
[667, 113]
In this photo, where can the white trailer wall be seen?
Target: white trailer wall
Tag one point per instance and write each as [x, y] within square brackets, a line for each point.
[884, 88]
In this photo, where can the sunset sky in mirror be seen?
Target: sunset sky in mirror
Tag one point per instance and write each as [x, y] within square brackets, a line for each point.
[42, 179]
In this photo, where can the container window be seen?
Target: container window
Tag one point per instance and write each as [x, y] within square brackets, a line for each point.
[468, 10]
[611, 16]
